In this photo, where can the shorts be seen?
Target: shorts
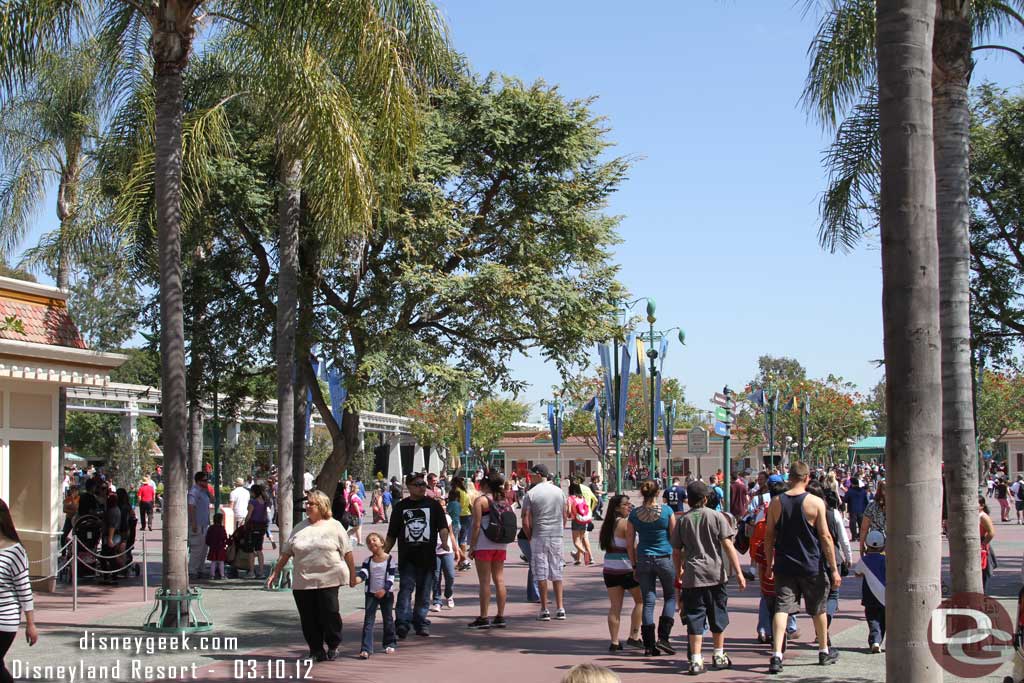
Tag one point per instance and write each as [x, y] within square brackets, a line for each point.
[1020, 506]
[256, 534]
[546, 558]
[626, 581]
[579, 526]
[356, 522]
[706, 606]
[789, 590]
[490, 555]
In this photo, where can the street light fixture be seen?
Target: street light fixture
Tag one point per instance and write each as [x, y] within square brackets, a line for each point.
[653, 354]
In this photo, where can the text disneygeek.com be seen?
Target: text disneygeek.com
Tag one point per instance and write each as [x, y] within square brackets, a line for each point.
[135, 667]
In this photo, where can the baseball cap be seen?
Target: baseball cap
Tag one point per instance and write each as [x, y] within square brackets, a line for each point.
[776, 478]
[541, 469]
[875, 539]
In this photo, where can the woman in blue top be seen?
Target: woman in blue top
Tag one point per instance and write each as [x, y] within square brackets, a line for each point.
[648, 531]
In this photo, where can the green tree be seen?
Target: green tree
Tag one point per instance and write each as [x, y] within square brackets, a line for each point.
[103, 299]
[241, 459]
[499, 245]
[1000, 405]
[492, 417]
[875, 405]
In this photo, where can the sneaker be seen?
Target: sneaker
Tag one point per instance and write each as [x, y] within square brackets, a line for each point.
[436, 607]
[696, 666]
[479, 623]
[332, 654]
[875, 648]
[560, 615]
[635, 642]
[423, 632]
[451, 603]
[498, 622]
[614, 647]
[762, 637]
[402, 632]
[830, 657]
[544, 615]
[389, 650]
[721, 661]
[775, 665]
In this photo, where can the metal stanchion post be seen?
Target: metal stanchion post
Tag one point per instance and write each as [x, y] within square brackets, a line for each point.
[145, 575]
[74, 573]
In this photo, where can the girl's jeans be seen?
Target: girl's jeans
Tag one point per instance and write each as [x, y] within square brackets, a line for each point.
[650, 570]
[387, 613]
[445, 566]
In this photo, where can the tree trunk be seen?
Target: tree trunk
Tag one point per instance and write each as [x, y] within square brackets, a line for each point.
[288, 226]
[167, 81]
[66, 199]
[344, 445]
[910, 307]
[304, 333]
[195, 436]
[952, 121]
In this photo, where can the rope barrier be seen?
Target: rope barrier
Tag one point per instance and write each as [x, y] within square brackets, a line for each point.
[104, 557]
[50, 557]
[53, 576]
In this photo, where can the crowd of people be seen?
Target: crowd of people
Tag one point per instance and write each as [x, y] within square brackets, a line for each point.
[674, 553]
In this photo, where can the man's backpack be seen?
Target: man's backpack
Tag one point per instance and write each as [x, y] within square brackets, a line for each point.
[581, 511]
[501, 527]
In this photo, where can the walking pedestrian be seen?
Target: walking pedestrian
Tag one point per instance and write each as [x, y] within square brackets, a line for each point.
[322, 562]
[448, 554]
[874, 516]
[796, 537]
[15, 590]
[739, 497]
[146, 495]
[648, 531]
[843, 553]
[257, 520]
[488, 549]
[1002, 493]
[543, 513]
[378, 573]
[578, 511]
[856, 503]
[618, 572]
[988, 532]
[239, 500]
[872, 593]
[701, 545]
[464, 513]
[416, 524]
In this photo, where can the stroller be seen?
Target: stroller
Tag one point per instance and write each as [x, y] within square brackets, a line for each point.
[88, 530]
[240, 554]
[128, 533]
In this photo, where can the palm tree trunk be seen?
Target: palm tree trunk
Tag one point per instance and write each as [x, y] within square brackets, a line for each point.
[910, 307]
[195, 435]
[287, 286]
[952, 120]
[167, 81]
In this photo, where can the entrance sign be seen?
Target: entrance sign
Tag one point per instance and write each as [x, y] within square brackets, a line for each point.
[697, 441]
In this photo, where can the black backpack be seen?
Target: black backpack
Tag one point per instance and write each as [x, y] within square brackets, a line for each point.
[502, 525]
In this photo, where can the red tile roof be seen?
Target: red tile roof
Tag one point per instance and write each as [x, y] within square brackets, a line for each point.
[46, 321]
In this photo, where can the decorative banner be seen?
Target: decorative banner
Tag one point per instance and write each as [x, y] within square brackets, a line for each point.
[661, 353]
[601, 423]
[641, 369]
[467, 419]
[338, 392]
[555, 423]
[670, 424]
[606, 365]
[757, 397]
[620, 410]
[657, 401]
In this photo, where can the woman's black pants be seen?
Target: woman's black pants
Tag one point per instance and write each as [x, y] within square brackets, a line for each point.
[318, 614]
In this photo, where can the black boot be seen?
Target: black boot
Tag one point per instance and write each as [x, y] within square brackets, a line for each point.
[664, 631]
[650, 645]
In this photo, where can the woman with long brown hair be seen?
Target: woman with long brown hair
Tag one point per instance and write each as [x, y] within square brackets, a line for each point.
[874, 516]
[618, 572]
[15, 590]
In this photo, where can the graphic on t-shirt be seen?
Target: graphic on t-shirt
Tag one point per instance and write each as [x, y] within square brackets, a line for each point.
[417, 525]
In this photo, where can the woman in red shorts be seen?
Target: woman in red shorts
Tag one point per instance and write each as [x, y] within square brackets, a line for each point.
[488, 555]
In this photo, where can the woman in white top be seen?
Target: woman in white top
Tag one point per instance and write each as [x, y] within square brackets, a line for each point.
[15, 590]
[323, 562]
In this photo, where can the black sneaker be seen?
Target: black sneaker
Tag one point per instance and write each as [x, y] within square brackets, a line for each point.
[635, 642]
[423, 632]
[721, 661]
[402, 632]
[775, 665]
[498, 622]
[332, 654]
[614, 647]
[479, 623]
[830, 657]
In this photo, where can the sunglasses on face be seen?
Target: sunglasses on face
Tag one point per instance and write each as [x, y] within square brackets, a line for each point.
[418, 483]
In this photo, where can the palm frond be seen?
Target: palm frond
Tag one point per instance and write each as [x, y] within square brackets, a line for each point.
[29, 28]
[853, 163]
[842, 59]
[993, 18]
[21, 194]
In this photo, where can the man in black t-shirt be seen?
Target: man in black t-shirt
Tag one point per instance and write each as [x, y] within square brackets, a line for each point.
[416, 523]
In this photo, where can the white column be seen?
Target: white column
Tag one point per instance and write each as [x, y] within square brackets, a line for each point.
[5, 469]
[434, 463]
[395, 457]
[234, 431]
[130, 422]
[417, 458]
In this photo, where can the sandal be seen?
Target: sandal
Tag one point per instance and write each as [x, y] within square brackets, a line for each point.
[364, 655]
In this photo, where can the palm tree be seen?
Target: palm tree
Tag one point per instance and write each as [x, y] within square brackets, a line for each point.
[842, 79]
[365, 35]
[910, 307]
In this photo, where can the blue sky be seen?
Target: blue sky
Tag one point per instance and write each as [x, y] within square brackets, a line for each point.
[720, 212]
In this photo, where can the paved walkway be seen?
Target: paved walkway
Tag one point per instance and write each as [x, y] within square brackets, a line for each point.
[265, 625]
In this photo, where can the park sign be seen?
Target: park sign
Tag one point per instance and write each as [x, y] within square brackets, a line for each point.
[697, 441]
[722, 415]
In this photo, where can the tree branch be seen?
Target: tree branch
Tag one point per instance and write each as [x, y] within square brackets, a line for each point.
[1005, 48]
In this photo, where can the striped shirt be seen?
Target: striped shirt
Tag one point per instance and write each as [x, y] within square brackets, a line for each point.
[15, 591]
[616, 560]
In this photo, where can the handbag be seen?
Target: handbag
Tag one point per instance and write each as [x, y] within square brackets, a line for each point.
[590, 526]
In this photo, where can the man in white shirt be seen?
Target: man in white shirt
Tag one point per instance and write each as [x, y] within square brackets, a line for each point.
[307, 482]
[239, 498]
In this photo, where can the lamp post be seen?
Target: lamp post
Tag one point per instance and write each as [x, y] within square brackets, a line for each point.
[556, 410]
[467, 448]
[653, 354]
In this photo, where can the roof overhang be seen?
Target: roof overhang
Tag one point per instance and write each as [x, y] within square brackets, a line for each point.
[56, 364]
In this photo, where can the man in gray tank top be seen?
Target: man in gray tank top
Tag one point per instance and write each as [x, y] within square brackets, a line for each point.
[801, 556]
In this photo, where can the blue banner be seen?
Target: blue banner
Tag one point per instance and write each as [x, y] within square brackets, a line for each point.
[606, 366]
[338, 392]
[670, 424]
[601, 424]
[555, 425]
[657, 401]
[627, 358]
[468, 431]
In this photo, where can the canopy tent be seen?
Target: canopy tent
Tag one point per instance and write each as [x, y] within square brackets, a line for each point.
[873, 447]
[71, 457]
